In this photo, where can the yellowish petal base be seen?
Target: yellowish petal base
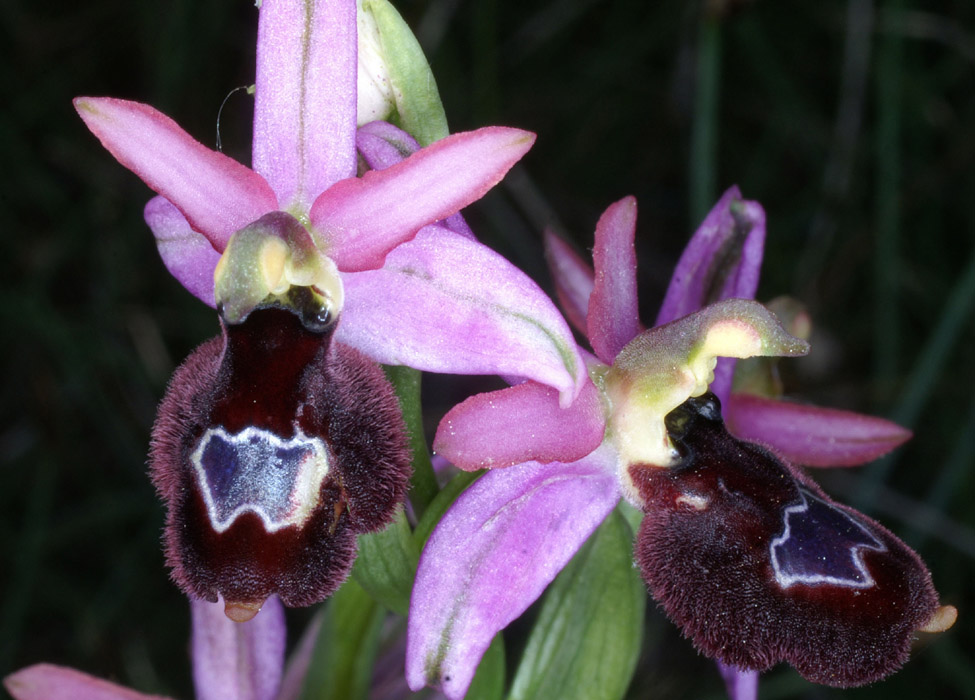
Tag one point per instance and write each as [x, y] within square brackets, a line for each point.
[242, 612]
[943, 618]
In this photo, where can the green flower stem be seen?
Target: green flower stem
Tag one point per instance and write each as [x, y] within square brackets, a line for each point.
[423, 483]
[387, 562]
[345, 651]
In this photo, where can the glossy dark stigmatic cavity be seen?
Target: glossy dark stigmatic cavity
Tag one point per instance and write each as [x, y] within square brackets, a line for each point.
[757, 565]
[273, 448]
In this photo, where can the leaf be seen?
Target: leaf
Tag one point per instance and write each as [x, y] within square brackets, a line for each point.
[386, 564]
[345, 652]
[587, 638]
[406, 382]
[488, 683]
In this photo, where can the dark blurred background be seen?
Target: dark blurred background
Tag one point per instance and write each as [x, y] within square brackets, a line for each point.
[853, 123]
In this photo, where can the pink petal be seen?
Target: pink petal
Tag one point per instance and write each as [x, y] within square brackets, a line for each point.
[573, 277]
[50, 682]
[520, 424]
[305, 99]
[188, 256]
[492, 555]
[613, 318]
[723, 260]
[237, 660]
[381, 145]
[810, 435]
[709, 270]
[741, 685]
[216, 194]
[362, 219]
[443, 303]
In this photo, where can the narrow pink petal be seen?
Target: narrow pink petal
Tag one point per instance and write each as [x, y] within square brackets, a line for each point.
[215, 193]
[382, 145]
[810, 435]
[723, 260]
[237, 660]
[305, 99]
[492, 555]
[362, 219]
[50, 682]
[613, 318]
[574, 280]
[443, 303]
[520, 424]
[188, 256]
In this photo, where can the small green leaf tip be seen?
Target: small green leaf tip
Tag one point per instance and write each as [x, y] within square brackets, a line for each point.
[274, 261]
[664, 366]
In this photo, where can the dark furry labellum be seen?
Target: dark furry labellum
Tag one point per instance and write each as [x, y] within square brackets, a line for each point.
[273, 448]
[757, 565]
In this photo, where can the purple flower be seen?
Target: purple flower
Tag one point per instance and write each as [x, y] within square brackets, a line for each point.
[230, 662]
[280, 441]
[513, 530]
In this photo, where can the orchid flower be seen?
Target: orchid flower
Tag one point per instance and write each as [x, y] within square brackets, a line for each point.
[280, 441]
[230, 662]
[646, 430]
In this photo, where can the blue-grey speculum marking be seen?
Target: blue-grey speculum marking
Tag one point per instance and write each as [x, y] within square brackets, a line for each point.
[821, 544]
[255, 470]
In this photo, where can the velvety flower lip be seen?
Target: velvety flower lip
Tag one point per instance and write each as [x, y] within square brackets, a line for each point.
[230, 662]
[312, 432]
[791, 574]
[721, 261]
[304, 163]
